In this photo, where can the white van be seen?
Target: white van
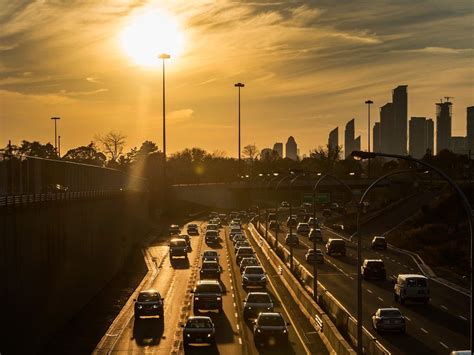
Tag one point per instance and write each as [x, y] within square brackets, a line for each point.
[411, 287]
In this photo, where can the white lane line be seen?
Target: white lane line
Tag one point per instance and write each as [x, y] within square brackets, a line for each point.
[424, 330]
[234, 304]
[238, 327]
[412, 269]
[233, 296]
[408, 319]
[236, 315]
[443, 345]
[380, 299]
[369, 291]
[462, 317]
[240, 340]
[351, 277]
[444, 307]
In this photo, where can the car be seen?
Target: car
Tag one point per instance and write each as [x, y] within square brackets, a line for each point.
[373, 268]
[149, 303]
[388, 319]
[187, 239]
[198, 330]
[240, 244]
[273, 225]
[379, 242]
[213, 215]
[212, 236]
[234, 215]
[291, 222]
[411, 287]
[193, 229]
[303, 229]
[327, 212]
[313, 222]
[234, 230]
[314, 257]
[243, 214]
[257, 302]
[243, 252]
[336, 246]
[174, 229]
[178, 248]
[210, 270]
[271, 216]
[238, 238]
[270, 327]
[254, 276]
[307, 205]
[223, 218]
[248, 261]
[236, 221]
[284, 204]
[212, 227]
[315, 233]
[207, 295]
[292, 240]
[210, 255]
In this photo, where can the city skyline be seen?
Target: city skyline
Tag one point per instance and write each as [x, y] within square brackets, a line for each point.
[104, 86]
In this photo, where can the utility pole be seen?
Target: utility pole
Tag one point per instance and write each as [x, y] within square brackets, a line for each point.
[239, 85]
[55, 119]
[368, 102]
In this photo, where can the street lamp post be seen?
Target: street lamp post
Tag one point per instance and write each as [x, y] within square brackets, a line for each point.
[291, 224]
[239, 85]
[55, 119]
[59, 146]
[465, 203]
[275, 175]
[368, 102]
[163, 57]
[276, 209]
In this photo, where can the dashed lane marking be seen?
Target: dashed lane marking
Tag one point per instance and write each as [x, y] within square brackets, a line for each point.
[424, 330]
[238, 327]
[405, 265]
[380, 299]
[369, 291]
[443, 345]
[444, 307]
[462, 317]
[236, 315]
[240, 340]
[408, 319]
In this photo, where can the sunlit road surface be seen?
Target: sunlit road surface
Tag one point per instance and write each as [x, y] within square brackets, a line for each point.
[436, 328]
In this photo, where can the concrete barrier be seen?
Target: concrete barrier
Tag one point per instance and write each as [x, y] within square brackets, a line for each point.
[328, 305]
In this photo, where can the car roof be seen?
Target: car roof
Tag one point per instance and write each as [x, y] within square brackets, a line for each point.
[177, 240]
[199, 318]
[271, 314]
[144, 292]
[258, 293]
[210, 251]
[372, 260]
[245, 248]
[408, 276]
[208, 282]
[389, 309]
[254, 267]
[336, 239]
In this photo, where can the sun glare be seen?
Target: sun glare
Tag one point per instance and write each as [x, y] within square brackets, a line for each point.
[150, 34]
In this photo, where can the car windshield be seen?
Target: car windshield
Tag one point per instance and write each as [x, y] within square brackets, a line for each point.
[245, 251]
[259, 298]
[210, 253]
[375, 264]
[148, 297]
[249, 260]
[210, 266]
[254, 270]
[211, 233]
[271, 320]
[178, 243]
[337, 242]
[209, 288]
[198, 323]
[416, 282]
[390, 313]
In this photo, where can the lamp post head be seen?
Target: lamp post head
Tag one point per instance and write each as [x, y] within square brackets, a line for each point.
[360, 155]
[55, 118]
[164, 56]
[239, 85]
[369, 102]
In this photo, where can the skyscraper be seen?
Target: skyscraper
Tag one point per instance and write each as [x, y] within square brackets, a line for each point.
[387, 128]
[443, 126]
[291, 148]
[333, 141]
[400, 117]
[278, 147]
[459, 145]
[357, 143]
[349, 138]
[376, 138]
[421, 136]
[470, 129]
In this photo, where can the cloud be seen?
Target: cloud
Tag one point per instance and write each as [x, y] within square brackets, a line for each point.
[439, 50]
[181, 115]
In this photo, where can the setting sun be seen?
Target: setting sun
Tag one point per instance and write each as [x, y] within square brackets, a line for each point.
[149, 34]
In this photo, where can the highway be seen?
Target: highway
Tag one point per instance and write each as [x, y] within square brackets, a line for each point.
[439, 327]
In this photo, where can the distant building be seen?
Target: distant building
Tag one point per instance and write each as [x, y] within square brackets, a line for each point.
[278, 147]
[267, 154]
[357, 143]
[349, 133]
[291, 149]
[387, 128]
[376, 138]
[470, 129]
[459, 145]
[421, 136]
[333, 141]
[443, 125]
[400, 118]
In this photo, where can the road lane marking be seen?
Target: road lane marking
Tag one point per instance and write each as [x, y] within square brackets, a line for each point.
[405, 265]
[462, 317]
[444, 345]
[424, 330]
[369, 291]
[234, 304]
[240, 340]
[444, 307]
[408, 319]
[380, 299]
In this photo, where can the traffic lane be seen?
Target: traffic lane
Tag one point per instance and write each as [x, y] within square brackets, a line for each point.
[227, 329]
[154, 334]
[293, 346]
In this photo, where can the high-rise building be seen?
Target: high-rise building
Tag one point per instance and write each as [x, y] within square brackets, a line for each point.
[421, 136]
[400, 118]
[376, 138]
[470, 129]
[443, 125]
[459, 145]
[349, 133]
[387, 128]
[291, 149]
[278, 147]
[357, 143]
[333, 141]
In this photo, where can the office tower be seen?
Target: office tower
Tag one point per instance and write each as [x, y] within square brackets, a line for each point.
[459, 145]
[421, 136]
[387, 128]
[400, 116]
[333, 141]
[349, 138]
[376, 138]
[470, 129]
[357, 143]
[291, 148]
[443, 125]
[278, 147]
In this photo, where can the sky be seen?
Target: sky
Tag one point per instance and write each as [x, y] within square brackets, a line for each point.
[307, 66]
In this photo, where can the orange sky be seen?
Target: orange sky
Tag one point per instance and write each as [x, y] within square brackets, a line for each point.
[307, 66]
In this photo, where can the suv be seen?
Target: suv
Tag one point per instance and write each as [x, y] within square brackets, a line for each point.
[212, 236]
[250, 261]
[212, 227]
[303, 229]
[210, 255]
[313, 222]
[241, 243]
[336, 246]
[273, 225]
[315, 233]
[207, 295]
[292, 239]
[373, 268]
[257, 302]
[411, 287]
[186, 238]
[178, 247]
[291, 221]
[193, 229]
[198, 329]
[238, 238]
[270, 325]
[390, 319]
[243, 252]
[254, 276]
[174, 229]
[210, 270]
[149, 303]
[314, 257]
[379, 243]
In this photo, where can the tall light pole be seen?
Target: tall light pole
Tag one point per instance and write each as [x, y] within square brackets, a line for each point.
[368, 102]
[59, 146]
[164, 56]
[55, 119]
[239, 85]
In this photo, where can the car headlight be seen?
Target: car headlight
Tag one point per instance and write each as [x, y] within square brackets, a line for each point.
[259, 331]
[264, 277]
[155, 306]
[219, 298]
[196, 298]
[285, 331]
[139, 306]
[209, 335]
[269, 308]
[249, 308]
[188, 335]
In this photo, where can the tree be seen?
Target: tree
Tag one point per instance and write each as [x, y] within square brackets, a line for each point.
[86, 154]
[36, 149]
[112, 144]
[250, 152]
[326, 157]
